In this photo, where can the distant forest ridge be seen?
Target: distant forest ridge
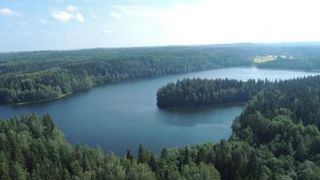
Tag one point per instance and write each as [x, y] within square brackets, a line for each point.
[43, 75]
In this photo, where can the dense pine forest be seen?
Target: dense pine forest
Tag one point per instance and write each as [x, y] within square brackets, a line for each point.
[35, 76]
[33, 148]
[43, 75]
[202, 92]
[276, 137]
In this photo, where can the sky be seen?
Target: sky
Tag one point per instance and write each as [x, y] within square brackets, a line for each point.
[76, 24]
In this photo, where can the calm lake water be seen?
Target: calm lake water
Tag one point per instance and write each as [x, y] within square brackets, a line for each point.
[121, 116]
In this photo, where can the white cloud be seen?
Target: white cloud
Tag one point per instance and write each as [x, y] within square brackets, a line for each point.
[72, 8]
[69, 14]
[79, 17]
[242, 21]
[8, 12]
[62, 16]
[227, 21]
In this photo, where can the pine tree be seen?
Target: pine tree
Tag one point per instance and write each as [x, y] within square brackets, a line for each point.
[141, 154]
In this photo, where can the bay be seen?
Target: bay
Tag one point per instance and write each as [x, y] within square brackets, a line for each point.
[123, 115]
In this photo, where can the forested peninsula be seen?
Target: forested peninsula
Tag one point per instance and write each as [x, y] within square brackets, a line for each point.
[203, 92]
[276, 137]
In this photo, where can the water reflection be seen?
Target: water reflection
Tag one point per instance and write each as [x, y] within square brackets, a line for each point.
[189, 117]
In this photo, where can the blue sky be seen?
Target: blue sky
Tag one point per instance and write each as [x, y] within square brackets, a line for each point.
[74, 24]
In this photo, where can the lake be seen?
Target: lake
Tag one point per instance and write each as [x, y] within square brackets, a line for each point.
[123, 115]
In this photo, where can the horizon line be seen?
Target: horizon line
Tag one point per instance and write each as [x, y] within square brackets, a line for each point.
[306, 43]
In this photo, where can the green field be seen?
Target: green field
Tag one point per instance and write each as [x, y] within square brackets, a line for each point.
[269, 58]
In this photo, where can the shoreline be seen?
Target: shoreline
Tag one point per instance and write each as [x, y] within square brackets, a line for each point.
[141, 78]
[39, 101]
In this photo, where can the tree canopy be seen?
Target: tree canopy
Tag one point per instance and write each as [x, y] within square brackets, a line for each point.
[276, 137]
[44, 75]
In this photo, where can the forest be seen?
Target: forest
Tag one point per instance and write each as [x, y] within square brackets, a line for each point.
[203, 92]
[305, 58]
[276, 137]
[44, 75]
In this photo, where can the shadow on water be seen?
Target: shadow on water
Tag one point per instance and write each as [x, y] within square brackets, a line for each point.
[189, 117]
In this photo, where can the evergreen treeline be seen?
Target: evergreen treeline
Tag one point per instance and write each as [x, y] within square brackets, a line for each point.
[33, 148]
[283, 120]
[276, 137]
[35, 76]
[201, 92]
[43, 75]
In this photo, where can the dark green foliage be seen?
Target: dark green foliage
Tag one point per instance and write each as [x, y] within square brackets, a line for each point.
[201, 92]
[276, 137]
[283, 120]
[33, 148]
[36, 76]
